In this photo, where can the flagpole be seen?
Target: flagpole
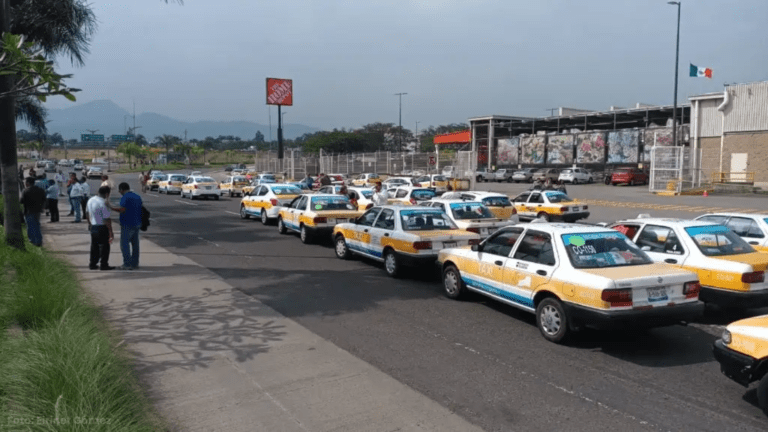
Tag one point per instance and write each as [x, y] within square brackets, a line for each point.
[677, 62]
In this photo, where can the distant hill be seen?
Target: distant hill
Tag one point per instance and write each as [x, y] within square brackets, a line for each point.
[107, 117]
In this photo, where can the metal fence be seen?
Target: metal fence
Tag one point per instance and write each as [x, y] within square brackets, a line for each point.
[672, 169]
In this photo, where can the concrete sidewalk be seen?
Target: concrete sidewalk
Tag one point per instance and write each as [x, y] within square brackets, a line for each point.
[218, 360]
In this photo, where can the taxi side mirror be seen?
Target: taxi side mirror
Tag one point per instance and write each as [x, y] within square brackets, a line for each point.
[476, 248]
[646, 248]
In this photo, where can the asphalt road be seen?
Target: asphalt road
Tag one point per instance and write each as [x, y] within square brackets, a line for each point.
[484, 360]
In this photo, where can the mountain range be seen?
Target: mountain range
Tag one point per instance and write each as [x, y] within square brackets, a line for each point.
[111, 119]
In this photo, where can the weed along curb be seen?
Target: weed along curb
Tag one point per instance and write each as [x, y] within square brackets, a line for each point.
[61, 366]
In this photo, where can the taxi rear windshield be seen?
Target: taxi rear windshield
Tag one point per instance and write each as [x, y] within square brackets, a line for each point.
[558, 197]
[161, 177]
[604, 249]
[240, 179]
[422, 194]
[425, 220]
[268, 177]
[718, 240]
[286, 190]
[366, 193]
[205, 180]
[438, 178]
[178, 178]
[340, 202]
[471, 211]
[500, 201]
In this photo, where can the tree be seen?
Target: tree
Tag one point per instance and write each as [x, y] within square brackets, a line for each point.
[167, 141]
[259, 138]
[141, 140]
[129, 149]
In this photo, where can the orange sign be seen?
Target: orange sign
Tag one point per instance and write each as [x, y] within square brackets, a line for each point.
[279, 91]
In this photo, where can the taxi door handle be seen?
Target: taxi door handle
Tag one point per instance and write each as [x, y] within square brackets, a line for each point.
[754, 243]
[498, 263]
[670, 261]
[541, 272]
[386, 235]
[365, 230]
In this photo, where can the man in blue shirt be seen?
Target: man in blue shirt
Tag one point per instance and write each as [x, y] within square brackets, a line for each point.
[130, 224]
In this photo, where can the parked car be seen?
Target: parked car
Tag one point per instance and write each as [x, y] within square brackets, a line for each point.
[752, 228]
[575, 176]
[50, 167]
[630, 176]
[94, 172]
[503, 175]
[450, 171]
[545, 174]
[484, 175]
[523, 175]
[234, 167]
[79, 167]
[41, 163]
[742, 354]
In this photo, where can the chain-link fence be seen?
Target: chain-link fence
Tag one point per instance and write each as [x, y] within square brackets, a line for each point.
[672, 169]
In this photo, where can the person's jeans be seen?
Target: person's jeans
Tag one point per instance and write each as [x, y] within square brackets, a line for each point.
[53, 207]
[33, 228]
[129, 245]
[99, 246]
[83, 203]
[75, 201]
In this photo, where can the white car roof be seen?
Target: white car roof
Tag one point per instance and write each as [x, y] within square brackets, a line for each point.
[746, 215]
[453, 201]
[561, 228]
[682, 223]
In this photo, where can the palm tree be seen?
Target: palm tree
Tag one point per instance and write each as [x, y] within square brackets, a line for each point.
[167, 141]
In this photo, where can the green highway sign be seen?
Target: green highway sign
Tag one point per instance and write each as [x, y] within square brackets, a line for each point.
[121, 138]
[87, 137]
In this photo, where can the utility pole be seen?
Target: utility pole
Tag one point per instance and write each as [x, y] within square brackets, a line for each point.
[677, 61]
[400, 132]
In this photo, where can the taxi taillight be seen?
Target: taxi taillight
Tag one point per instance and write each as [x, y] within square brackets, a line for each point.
[617, 297]
[474, 230]
[273, 202]
[369, 206]
[413, 201]
[586, 207]
[320, 220]
[692, 289]
[196, 187]
[422, 245]
[474, 241]
[754, 277]
[514, 211]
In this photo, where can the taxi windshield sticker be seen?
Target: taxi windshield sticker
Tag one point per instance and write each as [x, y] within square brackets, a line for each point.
[580, 239]
[286, 190]
[709, 229]
[553, 193]
[318, 207]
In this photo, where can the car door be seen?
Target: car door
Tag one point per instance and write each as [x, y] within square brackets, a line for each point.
[662, 244]
[534, 261]
[520, 202]
[296, 212]
[360, 237]
[381, 232]
[535, 204]
[493, 267]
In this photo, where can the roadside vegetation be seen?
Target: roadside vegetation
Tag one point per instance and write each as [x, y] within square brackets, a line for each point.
[61, 368]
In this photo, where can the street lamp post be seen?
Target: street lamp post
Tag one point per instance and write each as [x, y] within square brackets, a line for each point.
[677, 61]
[400, 132]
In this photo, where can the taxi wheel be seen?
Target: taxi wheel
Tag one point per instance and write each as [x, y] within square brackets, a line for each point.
[543, 215]
[342, 251]
[551, 320]
[264, 218]
[762, 393]
[281, 226]
[452, 283]
[391, 264]
[230, 194]
[590, 180]
[306, 237]
[216, 197]
[243, 214]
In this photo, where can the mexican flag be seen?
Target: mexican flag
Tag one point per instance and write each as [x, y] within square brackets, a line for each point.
[701, 72]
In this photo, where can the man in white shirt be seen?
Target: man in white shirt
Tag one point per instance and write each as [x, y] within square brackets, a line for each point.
[75, 196]
[100, 226]
[59, 179]
[86, 191]
[380, 196]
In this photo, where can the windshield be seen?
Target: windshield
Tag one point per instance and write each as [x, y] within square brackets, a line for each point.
[566, 171]
[240, 179]
[286, 190]
[425, 220]
[499, 201]
[438, 178]
[268, 177]
[178, 178]
[557, 197]
[331, 202]
[718, 240]
[604, 249]
[161, 177]
[366, 193]
[471, 210]
[205, 180]
[422, 194]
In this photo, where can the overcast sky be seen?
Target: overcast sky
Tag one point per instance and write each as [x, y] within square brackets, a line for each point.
[208, 60]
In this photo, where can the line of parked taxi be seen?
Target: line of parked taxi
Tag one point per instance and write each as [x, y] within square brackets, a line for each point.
[648, 272]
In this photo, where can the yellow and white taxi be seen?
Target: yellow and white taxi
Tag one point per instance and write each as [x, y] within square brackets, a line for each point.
[315, 215]
[366, 180]
[266, 201]
[407, 195]
[549, 205]
[471, 216]
[731, 272]
[200, 187]
[362, 197]
[438, 182]
[171, 183]
[233, 185]
[753, 228]
[332, 189]
[155, 179]
[572, 276]
[497, 203]
[400, 236]
[742, 352]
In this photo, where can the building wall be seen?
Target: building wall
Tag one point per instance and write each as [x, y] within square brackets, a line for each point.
[748, 108]
[754, 144]
[710, 120]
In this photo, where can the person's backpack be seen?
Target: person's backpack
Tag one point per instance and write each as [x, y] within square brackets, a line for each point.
[144, 218]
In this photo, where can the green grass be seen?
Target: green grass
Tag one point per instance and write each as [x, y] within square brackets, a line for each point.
[64, 370]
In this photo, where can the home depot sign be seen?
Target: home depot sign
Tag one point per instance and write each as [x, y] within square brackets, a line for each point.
[279, 91]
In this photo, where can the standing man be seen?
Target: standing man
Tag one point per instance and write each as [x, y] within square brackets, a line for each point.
[100, 226]
[143, 182]
[71, 182]
[86, 188]
[325, 180]
[33, 199]
[75, 197]
[130, 223]
[380, 196]
[52, 194]
[59, 179]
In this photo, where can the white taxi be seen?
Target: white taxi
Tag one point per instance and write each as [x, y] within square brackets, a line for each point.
[471, 216]
[171, 183]
[233, 185]
[400, 236]
[266, 200]
[332, 189]
[753, 228]
[200, 187]
[394, 182]
[742, 352]
[155, 179]
[362, 197]
[406, 195]
[731, 272]
[315, 215]
[366, 180]
[497, 203]
[549, 205]
[572, 276]
[438, 182]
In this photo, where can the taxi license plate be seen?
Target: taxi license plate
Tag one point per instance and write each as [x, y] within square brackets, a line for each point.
[208, 188]
[449, 244]
[657, 294]
[338, 221]
[575, 209]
